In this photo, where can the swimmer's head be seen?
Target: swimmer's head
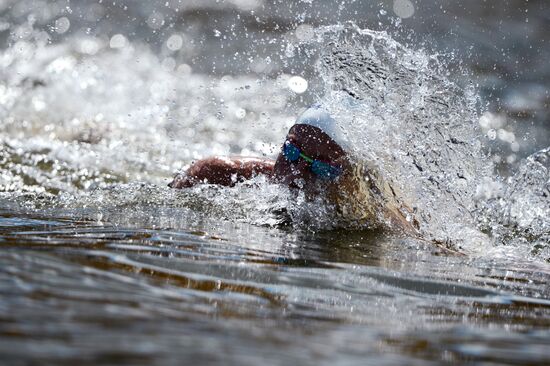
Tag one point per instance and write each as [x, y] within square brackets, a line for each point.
[317, 116]
[312, 153]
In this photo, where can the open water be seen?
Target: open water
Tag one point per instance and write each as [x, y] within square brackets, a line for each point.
[102, 102]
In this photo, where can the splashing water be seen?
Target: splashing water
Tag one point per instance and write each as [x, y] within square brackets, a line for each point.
[71, 119]
[412, 127]
[77, 122]
[518, 213]
[102, 262]
[418, 135]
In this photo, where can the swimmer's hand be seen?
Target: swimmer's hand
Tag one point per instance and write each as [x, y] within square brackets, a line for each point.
[222, 171]
[182, 180]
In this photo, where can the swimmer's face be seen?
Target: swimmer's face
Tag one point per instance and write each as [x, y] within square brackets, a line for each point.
[314, 143]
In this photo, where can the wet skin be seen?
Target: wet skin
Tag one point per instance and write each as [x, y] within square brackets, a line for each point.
[228, 171]
[317, 145]
[222, 171]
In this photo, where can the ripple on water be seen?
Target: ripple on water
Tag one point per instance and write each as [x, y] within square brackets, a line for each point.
[102, 289]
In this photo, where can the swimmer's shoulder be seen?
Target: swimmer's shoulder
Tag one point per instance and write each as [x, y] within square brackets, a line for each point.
[221, 170]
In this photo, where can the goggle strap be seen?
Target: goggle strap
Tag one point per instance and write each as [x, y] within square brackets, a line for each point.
[306, 158]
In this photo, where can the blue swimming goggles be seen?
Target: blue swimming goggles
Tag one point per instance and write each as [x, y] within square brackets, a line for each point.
[321, 169]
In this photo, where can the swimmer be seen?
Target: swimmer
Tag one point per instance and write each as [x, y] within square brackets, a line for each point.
[308, 155]
[313, 158]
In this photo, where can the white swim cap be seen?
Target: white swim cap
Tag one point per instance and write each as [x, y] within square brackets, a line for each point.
[318, 117]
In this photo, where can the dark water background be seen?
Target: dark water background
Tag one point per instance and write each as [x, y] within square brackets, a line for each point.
[100, 263]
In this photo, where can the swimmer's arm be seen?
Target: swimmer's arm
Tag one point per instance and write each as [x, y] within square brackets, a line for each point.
[222, 171]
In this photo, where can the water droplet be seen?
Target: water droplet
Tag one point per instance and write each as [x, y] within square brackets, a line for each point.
[62, 25]
[240, 113]
[297, 84]
[403, 8]
[175, 42]
[184, 69]
[118, 41]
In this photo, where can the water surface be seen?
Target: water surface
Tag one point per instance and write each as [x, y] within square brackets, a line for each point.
[100, 262]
